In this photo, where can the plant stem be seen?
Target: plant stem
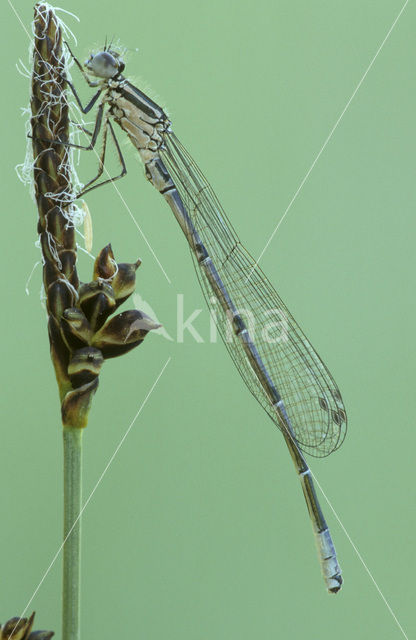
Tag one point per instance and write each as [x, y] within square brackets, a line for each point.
[72, 533]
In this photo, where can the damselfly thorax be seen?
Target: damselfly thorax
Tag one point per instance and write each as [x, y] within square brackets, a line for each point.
[138, 116]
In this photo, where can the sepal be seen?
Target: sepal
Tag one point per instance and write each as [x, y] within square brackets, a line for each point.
[76, 405]
[97, 301]
[21, 629]
[123, 332]
[124, 280]
[85, 366]
[75, 328]
[104, 265]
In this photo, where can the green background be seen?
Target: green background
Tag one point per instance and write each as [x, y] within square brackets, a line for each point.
[199, 529]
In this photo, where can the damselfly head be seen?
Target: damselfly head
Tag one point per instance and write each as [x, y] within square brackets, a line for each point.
[105, 64]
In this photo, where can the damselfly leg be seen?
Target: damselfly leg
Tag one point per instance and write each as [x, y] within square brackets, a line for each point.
[81, 128]
[87, 188]
[91, 83]
[102, 123]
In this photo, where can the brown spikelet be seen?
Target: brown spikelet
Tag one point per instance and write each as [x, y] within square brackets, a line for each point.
[51, 172]
[21, 629]
[81, 336]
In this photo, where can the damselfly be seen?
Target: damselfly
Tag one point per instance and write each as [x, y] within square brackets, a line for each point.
[280, 367]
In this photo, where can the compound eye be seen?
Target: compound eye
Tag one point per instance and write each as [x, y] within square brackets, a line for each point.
[106, 59]
[103, 65]
[107, 64]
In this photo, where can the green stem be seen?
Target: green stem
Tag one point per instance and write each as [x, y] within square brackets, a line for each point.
[72, 533]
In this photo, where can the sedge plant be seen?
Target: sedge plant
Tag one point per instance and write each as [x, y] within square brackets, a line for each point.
[83, 332]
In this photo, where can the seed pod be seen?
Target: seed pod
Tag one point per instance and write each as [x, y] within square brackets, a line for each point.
[68, 260]
[16, 628]
[47, 161]
[84, 366]
[20, 629]
[66, 235]
[60, 355]
[45, 184]
[124, 280]
[75, 328]
[123, 332]
[97, 301]
[76, 405]
[45, 244]
[104, 265]
[59, 298]
[51, 273]
[58, 226]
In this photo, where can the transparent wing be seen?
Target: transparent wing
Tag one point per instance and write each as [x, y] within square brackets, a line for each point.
[310, 395]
